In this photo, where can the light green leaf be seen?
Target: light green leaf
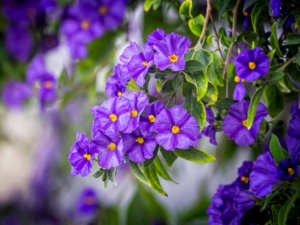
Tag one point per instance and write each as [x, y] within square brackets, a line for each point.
[277, 151]
[212, 93]
[161, 171]
[274, 40]
[195, 155]
[196, 25]
[253, 106]
[256, 13]
[186, 8]
[282, 86]
[292, 39]
[271, 54]
[215, 71]
[148, 4]
[285, 209]
[231, 72]
[138, 173]
[150, 173]
[224, 38]
[204, 57]
[209, 40]
[199, 80]
[169, 156]
[275, 100]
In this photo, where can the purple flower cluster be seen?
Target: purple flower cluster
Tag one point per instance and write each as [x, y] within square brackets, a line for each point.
[89, 19]
[293, 133]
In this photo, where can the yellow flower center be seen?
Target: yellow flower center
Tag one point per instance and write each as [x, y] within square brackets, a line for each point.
[85, 24]
[103, 10]
[175, 129]
[112, 146]
[245, 179]
[173, 58]
[113, 117]
[246, 14]
[48, 84]
[291, 171]
[140, 140]
[119, 94]
[133, 113]
[87, 156]
[245, 123]
[145, 63]
[252, 65]
[237, 79]
[152, 118]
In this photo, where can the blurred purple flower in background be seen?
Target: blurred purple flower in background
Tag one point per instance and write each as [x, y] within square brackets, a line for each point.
[288, 169]
[276, 7]
[88, 202]
[235, 122]
[139, 145]
[293, 133]
[131, 50]
[147, 120]
[49, 41]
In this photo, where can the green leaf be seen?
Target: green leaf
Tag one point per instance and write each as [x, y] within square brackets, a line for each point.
[264, 127]
[231, 72]
[253, 106]
[296, 59]
[282, 86]
[292, 39]
[195, 108]
[138, 173]
[199, 80]
[275, 209]
[175, 83]
[248, 3]
[186, 8]
[158, 85]
[288, 83]
[212, 93]
[196, 25]
[209, 40]
[224, 103]
[193, 66]
[285, 209]
[275, 100]
[222, 6]
[195, 155]
[150, 173]
[256, 13]
[148, 4]
[215, 71]
[275, 76]
[169, 156]
[148, 162]
[297, 21]
[224, 38]
[267, 200]
[99, 173]
[204, 57]
[282, 20]
[161, 171]
[274, 40]
[111, 173]
[271, 54]
[277, 151]
[168, 88]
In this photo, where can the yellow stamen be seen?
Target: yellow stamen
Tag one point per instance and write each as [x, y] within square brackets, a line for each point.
[48, 84]
[145, 63]
[252, 65]
[87, 156]
[152, 118]
[291, 171]
[103, 10]
[119, 94]
[140, 140]
[113, 117]
[175, 129]
[133, 113]
[85, 24]
[173, 58]
[237, 79]
[245, 123]
[245, 179]
[246, 14]
[112, 146]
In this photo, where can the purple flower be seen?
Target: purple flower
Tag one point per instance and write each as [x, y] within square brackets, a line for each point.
[288, 169]
[110, 149]
[263, 175]
[251, 64]
[15, 93]
[170, 52]
[235, 122]
[139, 145]
[211, 129]
[221, 210]
[138, 101]
[23, 49]
[289, 21]
[82, 155]
[139, 65]
[276, 7]
[112, 116]
[244, 201]
[239, 91]
[156, 36]
[247, 19]
[176, 128]
[244, 171]
[293, 133]
[131, 50]
[88, 202]
[114, 85]
[147, 120]
[49, 41]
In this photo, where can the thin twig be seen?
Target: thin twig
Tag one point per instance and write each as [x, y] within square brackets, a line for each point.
[285, 65]
[217, 38]
[234, 11]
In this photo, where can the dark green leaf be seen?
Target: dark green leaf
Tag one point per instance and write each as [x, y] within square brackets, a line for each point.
[282, 20]
[274, 40]
[288, 83]
[275, 76]
[253, 106]
[168, 88]
[204, 57]
[248, 3]
[264, 127]
[150, 173]
[169, 156]
[267, 200]
[99, 173]
[231, 74]
[275, 100]
[194, 155]
[186, 8]
[193, 66]
[222, 6]
[175, 83]
[148, 162]
[161, 171]
[224, 103]
[285, 209]
[138, 173]
[256, 13]
[296, 59]
[224, 38]
[275, 209]
[277, 151]
[292, 39]
[111, 173]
